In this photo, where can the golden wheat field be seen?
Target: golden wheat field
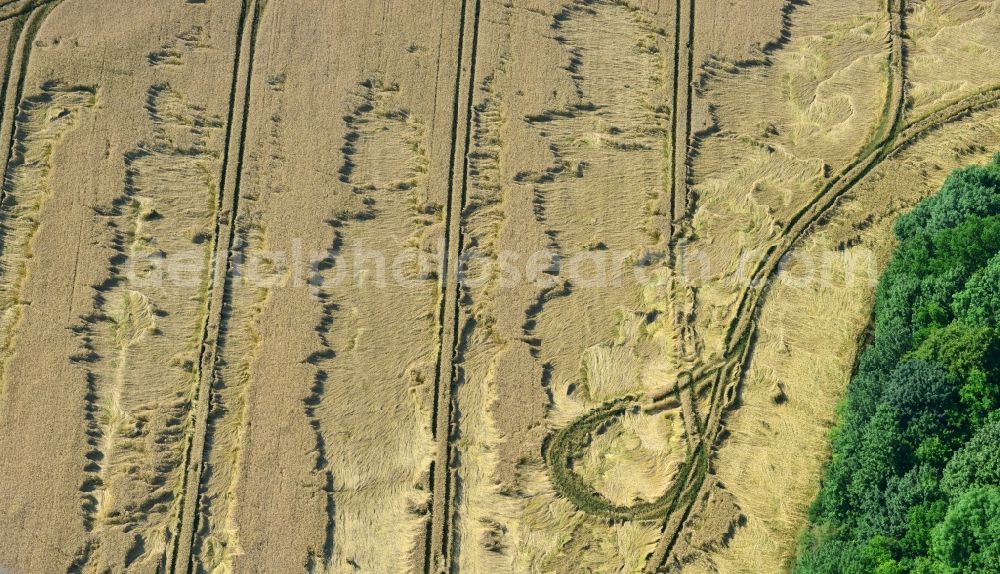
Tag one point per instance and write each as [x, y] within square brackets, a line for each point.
[451, 286]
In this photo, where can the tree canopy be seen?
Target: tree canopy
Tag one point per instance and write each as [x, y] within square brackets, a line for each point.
[914, 481]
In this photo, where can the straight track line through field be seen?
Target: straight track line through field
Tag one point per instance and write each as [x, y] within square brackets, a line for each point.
[673, 121]
[681, 120]
[437, 555]
[182, 558]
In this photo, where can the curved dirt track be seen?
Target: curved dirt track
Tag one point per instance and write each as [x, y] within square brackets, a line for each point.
[677, 502]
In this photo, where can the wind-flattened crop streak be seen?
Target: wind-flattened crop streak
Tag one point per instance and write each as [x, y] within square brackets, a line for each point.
[191, 477]
[744, 327]
[27, 28]
[885, 133]
[13, 41]
[564, 443]
[12, 313]
[868, 156]
[736, 337]
[907, 135]
[850, 177]
[142, 407]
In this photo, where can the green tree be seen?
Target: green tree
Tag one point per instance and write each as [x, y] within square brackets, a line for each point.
[968, 540]
[912, 486]
[977, 463]
[979, 302]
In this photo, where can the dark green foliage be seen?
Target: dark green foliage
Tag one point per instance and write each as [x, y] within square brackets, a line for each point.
[977, 463]
[979, 303]
[914, 483]
[966, 192]
[967, 541]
